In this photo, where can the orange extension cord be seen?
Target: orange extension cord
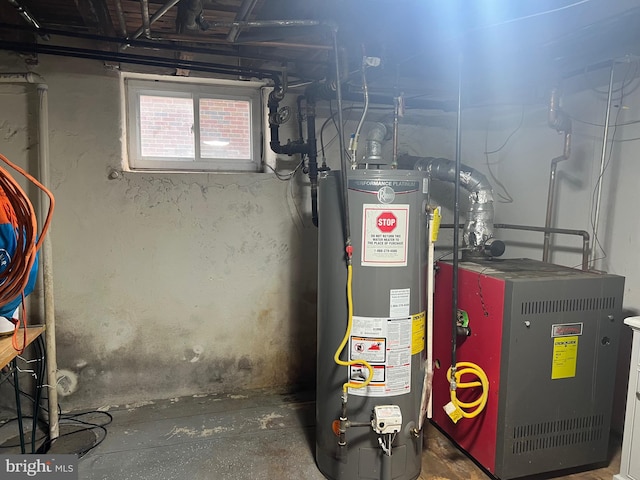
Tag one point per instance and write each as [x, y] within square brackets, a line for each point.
[14, 279]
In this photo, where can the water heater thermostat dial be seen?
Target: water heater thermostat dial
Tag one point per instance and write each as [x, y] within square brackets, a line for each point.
[386, 419]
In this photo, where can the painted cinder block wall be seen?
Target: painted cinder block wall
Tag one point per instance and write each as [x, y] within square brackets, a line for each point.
[183, 284]
[165, 285]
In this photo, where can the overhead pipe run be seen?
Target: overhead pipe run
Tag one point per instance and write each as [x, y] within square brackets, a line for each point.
[161, 11]
[243, 14]
[146, 23]
[313, 92]
[190, 16]
[25, 14]
[478, 237]
[153, 44]
[122, 24]
[218, 68]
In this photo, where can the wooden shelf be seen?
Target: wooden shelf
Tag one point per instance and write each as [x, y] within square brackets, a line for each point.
[7, 352]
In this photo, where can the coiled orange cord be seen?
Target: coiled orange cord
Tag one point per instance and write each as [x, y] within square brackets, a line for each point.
[14, 279]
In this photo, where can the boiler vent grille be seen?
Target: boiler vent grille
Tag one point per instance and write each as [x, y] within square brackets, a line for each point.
[559, 433]
[567, 305]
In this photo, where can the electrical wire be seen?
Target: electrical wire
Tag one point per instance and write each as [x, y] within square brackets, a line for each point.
[533, 15]
[596, 239]
[65, 419]
[504, 197]
[15, 277]
[347, 334]
[287, 176]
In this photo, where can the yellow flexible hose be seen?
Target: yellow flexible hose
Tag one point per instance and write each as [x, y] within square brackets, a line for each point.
[463, 368]
[347, 334]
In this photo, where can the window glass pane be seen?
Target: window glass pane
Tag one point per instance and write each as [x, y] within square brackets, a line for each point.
[225, 128]
[166, 127]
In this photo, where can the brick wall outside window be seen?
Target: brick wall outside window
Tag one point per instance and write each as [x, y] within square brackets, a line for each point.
[166, 127]
[225, 128]
[165, 119]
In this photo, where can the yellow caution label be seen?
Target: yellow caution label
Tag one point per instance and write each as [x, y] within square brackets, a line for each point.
[565, 357]
[417, 332]
[454, 412]
[436, 225]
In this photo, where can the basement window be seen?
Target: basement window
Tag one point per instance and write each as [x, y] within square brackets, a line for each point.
[179, 126]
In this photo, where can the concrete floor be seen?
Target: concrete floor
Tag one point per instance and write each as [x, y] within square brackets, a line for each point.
[249, 436]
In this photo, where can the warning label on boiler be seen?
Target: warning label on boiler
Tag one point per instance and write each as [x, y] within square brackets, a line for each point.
[386, 344]
[565, 357]
[385, 230]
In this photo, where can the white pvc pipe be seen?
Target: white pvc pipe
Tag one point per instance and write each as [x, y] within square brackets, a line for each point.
[28, 77]
[426, 397]
[46, 255]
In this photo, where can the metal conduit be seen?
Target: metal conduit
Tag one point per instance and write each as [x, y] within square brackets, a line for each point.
[161, 11]
[146, 24]
[122, 24]
[244, 12]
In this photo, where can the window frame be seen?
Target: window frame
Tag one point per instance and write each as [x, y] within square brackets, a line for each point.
[135, 85]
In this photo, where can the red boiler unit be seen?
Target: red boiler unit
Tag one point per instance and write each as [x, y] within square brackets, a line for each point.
[547, 338]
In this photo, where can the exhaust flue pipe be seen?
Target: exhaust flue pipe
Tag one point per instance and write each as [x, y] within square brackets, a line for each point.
[477, 238]
[561, 122]
[375, 137]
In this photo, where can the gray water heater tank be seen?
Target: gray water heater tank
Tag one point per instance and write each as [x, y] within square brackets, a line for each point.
[388, 232]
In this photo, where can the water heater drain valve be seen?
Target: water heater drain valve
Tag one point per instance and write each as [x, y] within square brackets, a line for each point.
[386, 419]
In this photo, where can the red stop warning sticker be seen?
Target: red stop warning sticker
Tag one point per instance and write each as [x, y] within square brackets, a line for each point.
[387, 222]
[385, 231]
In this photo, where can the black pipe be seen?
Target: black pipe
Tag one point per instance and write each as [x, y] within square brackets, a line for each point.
[217, 68]
[291, 148]
[312, 154]
[234, 51]
[456, 232]
[561, 231]
[343, 162]
[39, 352]
[16, 380]
[300, 117]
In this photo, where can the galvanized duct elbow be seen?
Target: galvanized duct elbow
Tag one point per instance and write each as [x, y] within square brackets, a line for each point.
[477, 237]
[375, 137]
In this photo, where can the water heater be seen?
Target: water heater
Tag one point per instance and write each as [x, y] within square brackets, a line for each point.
[388, 232]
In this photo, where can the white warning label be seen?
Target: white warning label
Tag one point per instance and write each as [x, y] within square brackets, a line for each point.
[385, 343]
[372, 350]
[385, 230]
[399, 302]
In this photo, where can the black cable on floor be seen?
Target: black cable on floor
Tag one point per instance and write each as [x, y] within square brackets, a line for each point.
[65, 419]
